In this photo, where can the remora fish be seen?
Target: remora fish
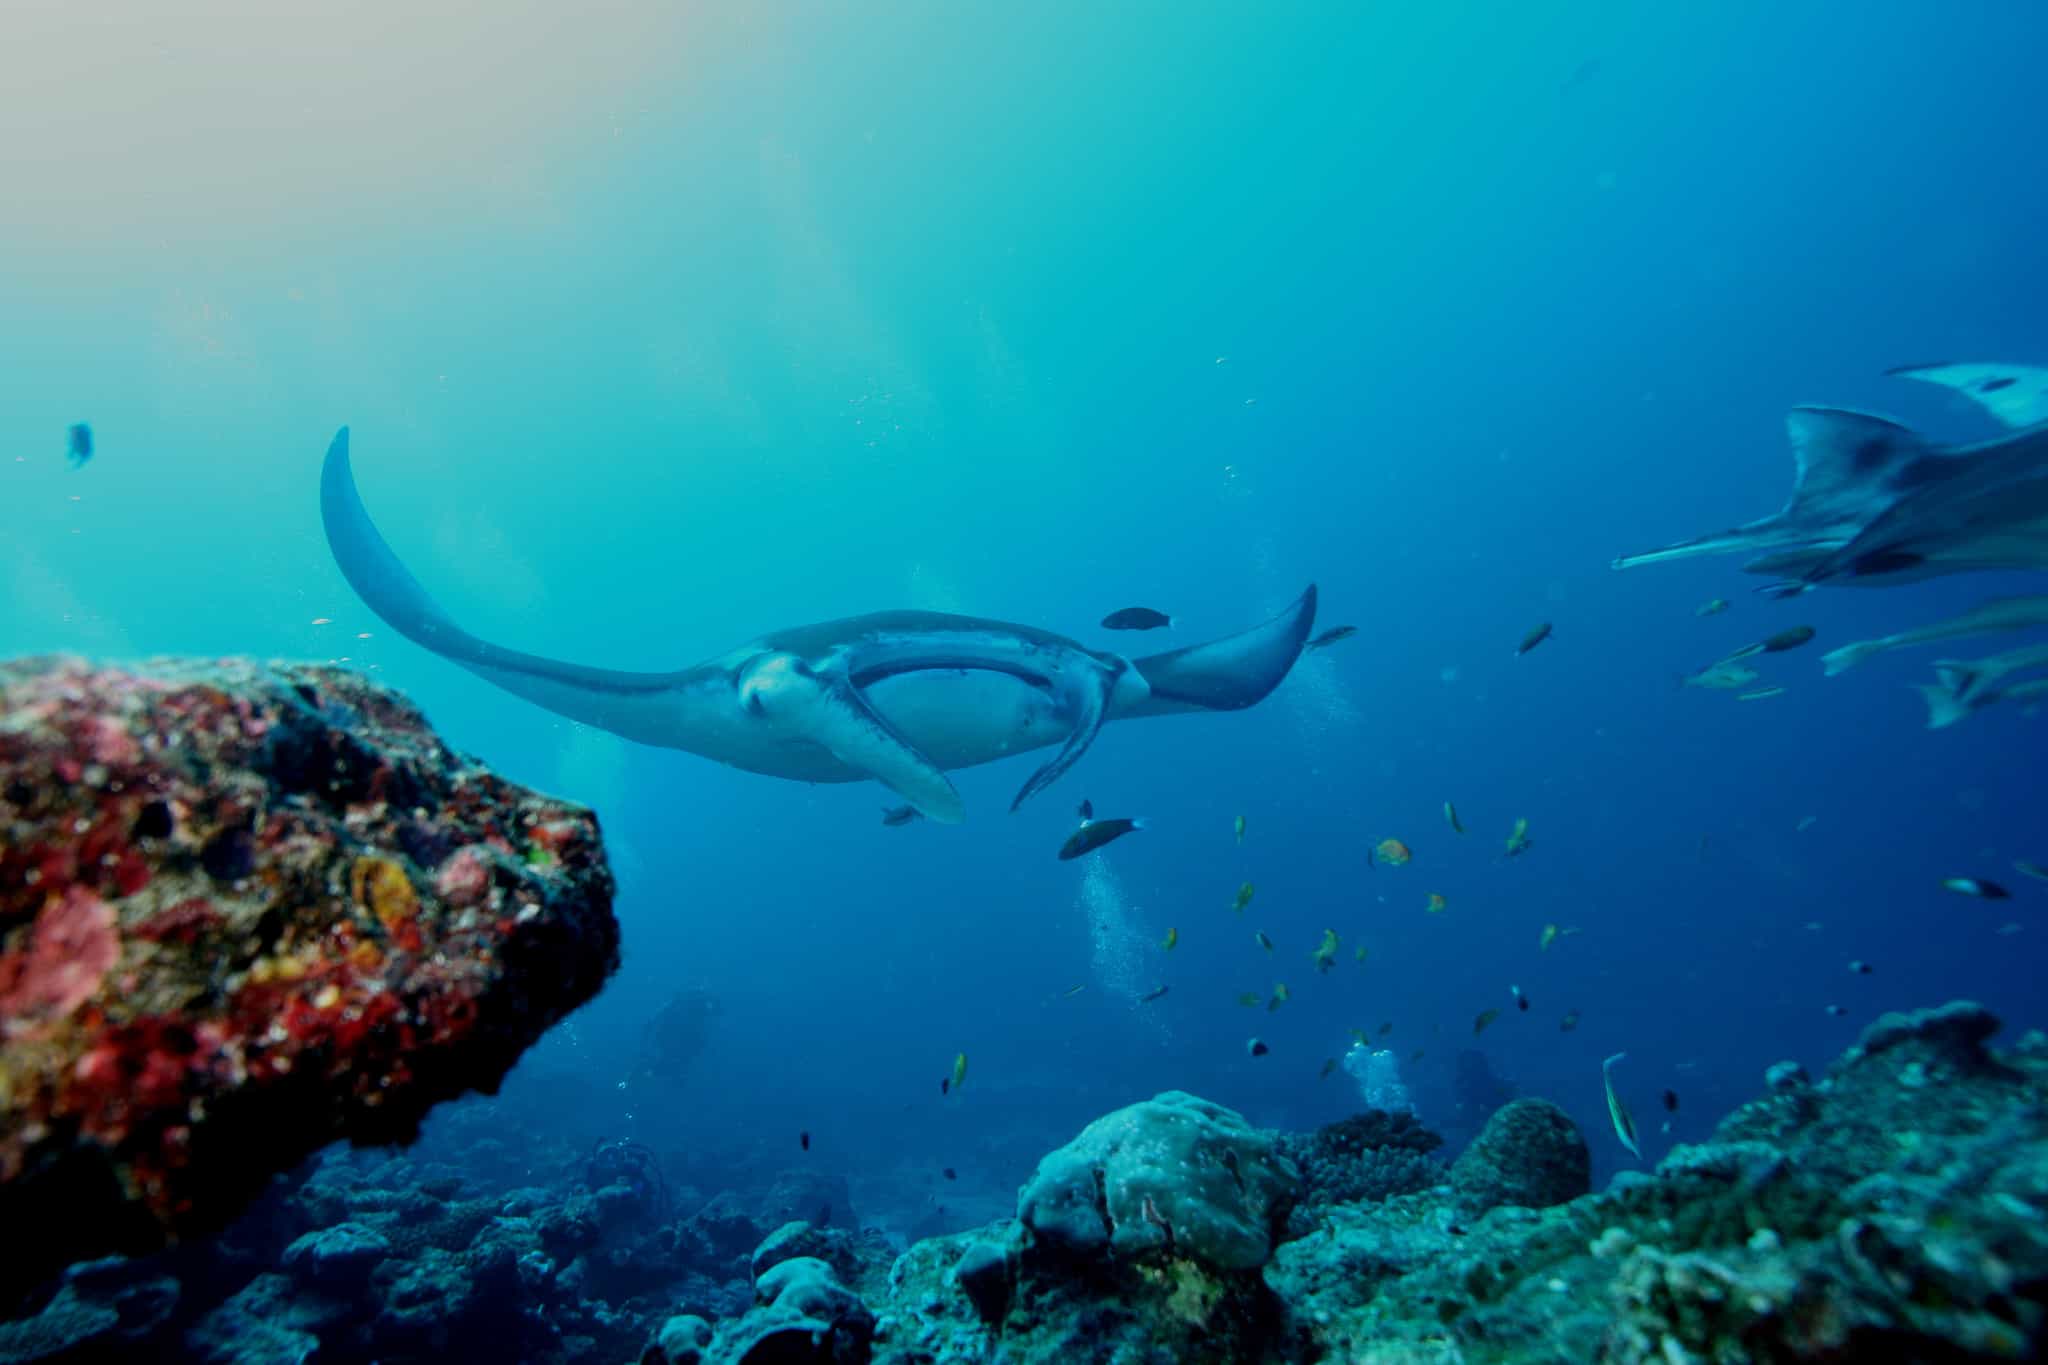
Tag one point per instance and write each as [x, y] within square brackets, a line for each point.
[1775, 644]
[1617, 1112]
[900, 697]
[1874, 503]
[2002, 613]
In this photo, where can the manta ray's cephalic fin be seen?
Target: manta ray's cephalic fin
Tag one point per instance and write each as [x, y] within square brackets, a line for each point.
[830, 711]
[1090, 706]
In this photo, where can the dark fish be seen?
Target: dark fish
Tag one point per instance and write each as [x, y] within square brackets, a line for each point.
[1533, 639]
[1256, 1048]
[1977, 886]
[1671, 1101]
[1149, 996]
[1330, 637]
[1095, 834]
[945, 1085]
[1837, 1010]
[805, 1139]
[1086, 810]
[950, 1173]
[78, 444]
[1860, 967]
[1776, 644]
[1136, 618]
[900, 815]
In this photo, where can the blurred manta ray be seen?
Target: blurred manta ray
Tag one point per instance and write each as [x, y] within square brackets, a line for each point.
[1874, 503]
[900, 696]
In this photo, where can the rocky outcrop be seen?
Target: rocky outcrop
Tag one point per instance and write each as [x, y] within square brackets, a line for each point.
[246, 910]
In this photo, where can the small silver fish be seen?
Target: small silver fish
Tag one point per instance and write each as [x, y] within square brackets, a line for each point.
[1617, 1112]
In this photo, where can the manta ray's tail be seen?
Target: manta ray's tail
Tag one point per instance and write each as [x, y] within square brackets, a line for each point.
[1228, 674]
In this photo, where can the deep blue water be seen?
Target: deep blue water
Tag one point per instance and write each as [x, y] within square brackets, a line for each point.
[659, 330]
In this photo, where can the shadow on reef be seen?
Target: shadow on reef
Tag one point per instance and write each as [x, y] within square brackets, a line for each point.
[1896, 1209]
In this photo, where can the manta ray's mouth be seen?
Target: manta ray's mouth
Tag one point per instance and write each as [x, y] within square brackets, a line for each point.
[867, 677]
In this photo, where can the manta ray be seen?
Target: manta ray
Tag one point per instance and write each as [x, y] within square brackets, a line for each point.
[1874, 503]
[899, 697]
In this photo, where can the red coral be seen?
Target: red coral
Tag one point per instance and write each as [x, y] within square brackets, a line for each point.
[71, 947]
[185, 922]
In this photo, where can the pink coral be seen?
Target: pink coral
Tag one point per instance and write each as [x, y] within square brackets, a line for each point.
[71, 947]
[463, 879]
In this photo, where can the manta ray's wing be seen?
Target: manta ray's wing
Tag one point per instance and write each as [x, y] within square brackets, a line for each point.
[627, 704]
[1847, 468]
[2016, 395]
[1991, 512]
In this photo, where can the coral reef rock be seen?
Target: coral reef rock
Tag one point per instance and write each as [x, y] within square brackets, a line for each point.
[1174, 1174]
[246, 910]
[1373, 1155]
[1529, 1153]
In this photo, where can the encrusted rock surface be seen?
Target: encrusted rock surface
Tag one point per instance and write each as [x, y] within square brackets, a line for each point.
[1529, 1153]
[246, 910]
[1175, 1174]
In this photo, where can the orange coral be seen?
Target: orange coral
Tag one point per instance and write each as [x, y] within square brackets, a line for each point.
[381, 886]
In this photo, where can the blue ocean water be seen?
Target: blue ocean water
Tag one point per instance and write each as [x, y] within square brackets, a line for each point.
[659, 328]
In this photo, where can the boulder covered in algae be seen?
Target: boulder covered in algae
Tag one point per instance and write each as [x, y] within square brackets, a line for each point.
[1895, 1210]
[246, 910]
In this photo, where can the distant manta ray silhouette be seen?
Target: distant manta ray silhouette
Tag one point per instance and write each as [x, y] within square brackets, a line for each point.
[1875, 504]
[899, 696]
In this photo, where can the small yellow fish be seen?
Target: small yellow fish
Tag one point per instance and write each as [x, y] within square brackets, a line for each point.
[1263, 941]
[1518, 837]
[1485, 1017]
[1243, 898]
[1329, 1065]
[1240, 829]
[1392, 852]
[1569, 1022]
[1549, 937]
[1172, 937]
[1451, 818]
[1359, 952]
[959, 1069]
[1249, 998]
[1280, 992]
[1437, 903]
[1073, 991]
[1325, 955]
[1713, 606]
[1358, 1036]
